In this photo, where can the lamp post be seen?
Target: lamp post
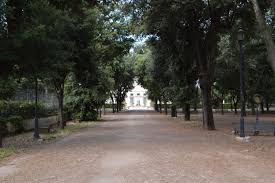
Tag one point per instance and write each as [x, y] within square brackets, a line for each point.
[241, 40]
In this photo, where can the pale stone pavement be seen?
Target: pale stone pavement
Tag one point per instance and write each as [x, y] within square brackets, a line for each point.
[142, 148]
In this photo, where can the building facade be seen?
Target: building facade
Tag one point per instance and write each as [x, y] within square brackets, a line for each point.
[137, 98]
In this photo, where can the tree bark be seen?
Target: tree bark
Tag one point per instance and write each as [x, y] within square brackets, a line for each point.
[266, 33]
[196, 100]
[173, 111]
[61, 108]
[104, 109]
[160, 106]
[1, 139]
[207, 108]
[1, 135]
[222, 108]
[187, 113]
[156, 105]
[253, 107]
[235, 107]
[36, 127]
[165, 108]
[262, 107]
[267, 107]
[117, 106]
[222, 104]
[113, 106]
[207, 101]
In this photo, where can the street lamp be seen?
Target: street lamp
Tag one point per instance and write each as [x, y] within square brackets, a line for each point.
[241, 40]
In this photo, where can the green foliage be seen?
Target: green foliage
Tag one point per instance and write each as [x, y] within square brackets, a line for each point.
[14, 121]
[7, 88]
[123, 74]
[24, 109]
[87, 116]
[81, 102]
[5, 152]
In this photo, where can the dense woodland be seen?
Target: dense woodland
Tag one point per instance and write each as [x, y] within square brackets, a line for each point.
[185, 52]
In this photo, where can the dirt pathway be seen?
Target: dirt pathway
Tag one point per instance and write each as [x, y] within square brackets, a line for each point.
[142, 148]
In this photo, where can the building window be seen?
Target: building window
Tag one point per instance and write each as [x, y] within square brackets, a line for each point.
[138, 94]
[132, 101]
[132, 94]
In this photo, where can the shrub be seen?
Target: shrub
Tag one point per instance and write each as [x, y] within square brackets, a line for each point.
[16, 123]
[87, 116]
[3, 126]
[24, 109]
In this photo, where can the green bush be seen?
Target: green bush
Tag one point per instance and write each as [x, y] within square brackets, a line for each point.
[24, 109]
[87, 116]
[15, 121]
[3, 126]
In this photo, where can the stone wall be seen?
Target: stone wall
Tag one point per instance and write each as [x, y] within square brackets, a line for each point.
[29, 123]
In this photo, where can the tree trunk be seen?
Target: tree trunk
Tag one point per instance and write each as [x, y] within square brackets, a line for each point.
[156, 105]
[231, 106]
[173, 111]
[236, 107]
[160, 106]
[121, 104]
[117, 106]
[187, 112]
[266, 33]
[222, 104]
[113, 104]
[253, 107]
[1, 134]
[61, 107]
[196, 100]
[207, 106]
[1, 139]
[222, 108]
[165, 108]
[36, 127]
[267, 105]
[262, 107]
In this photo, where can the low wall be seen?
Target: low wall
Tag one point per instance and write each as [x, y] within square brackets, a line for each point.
[29, 123]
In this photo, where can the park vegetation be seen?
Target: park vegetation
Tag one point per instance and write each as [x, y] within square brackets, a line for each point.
[75, 48]
[193, 44]
[84, 52]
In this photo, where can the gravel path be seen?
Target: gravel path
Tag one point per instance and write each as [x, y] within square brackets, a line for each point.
[142, 148]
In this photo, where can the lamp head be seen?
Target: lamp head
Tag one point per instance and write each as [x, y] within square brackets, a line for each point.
[240, 34]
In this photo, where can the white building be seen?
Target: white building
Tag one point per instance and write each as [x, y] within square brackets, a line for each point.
[137, 98]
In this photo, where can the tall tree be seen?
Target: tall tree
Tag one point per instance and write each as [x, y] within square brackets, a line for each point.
[196, 24]
[267, 33]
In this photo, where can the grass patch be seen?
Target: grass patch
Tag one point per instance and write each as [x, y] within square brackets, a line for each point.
[68, 130]
[5, 152]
